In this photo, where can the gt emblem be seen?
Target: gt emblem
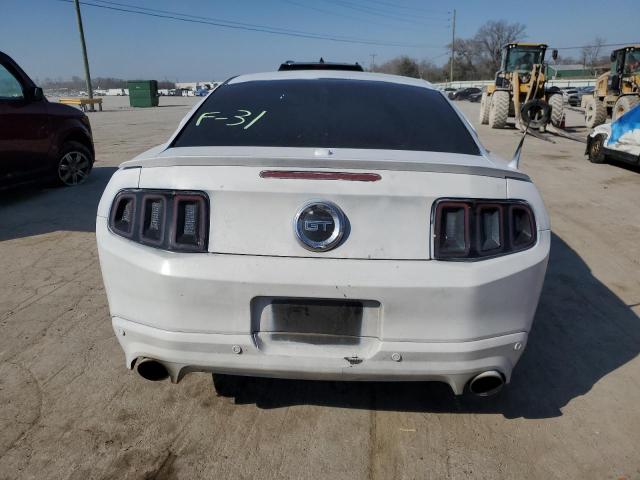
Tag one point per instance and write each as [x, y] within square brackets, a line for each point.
[319, 226]
[315, 225]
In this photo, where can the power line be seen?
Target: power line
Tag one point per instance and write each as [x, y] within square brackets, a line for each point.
[380, 13]
[343, 15]
[594, 46]
[200, 17]
[237, 26]
[405, 7]
[394, 11]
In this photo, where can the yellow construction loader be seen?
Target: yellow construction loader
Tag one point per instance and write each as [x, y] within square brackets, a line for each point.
[618, 90]
[520, 90]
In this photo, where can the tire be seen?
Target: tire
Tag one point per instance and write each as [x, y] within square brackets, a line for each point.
[595, 113]
[536, 114]
[557, 108]
[74, 164]
[596, 154]
[484, 108]
[623, 105]
[499, 109]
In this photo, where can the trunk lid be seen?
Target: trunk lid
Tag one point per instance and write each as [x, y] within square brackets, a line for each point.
[386, 219]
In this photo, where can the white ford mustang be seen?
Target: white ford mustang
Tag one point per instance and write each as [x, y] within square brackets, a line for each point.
[323, 224]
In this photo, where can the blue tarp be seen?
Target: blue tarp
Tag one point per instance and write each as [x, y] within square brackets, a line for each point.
[627, 123]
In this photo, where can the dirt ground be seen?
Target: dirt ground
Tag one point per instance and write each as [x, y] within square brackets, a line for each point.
[69, 409]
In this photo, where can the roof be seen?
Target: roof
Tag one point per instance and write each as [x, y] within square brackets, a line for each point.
[339, 74]
[527, 44]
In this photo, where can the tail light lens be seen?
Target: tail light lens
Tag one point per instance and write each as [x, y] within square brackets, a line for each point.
[452, 222]
[167, 219]
[189, 223]
[472, 229]
[122, 216]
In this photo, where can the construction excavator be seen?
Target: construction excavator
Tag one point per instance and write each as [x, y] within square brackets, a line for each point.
[618, 90]
[520, 91]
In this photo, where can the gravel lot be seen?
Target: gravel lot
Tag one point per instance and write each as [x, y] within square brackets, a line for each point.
[70, 409]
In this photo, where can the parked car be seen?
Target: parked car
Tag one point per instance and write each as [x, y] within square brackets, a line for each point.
[463, 93]
[575, 99]
[39, 140]
[376, 239]
[476, 97]
[567, 92]
[618, 140]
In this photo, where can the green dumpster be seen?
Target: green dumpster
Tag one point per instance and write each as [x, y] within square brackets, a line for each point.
[143, 93]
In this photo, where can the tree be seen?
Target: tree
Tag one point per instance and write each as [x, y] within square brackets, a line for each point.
[431, 72]
[468, 63]
[590, 54]
[402, 65]
[408, 67]
[493, 35]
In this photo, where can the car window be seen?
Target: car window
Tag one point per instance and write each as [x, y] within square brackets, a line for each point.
[10, 87]
[329, 113]
[632, 63]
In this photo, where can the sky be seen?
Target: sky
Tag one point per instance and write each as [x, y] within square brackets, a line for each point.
[42, 35]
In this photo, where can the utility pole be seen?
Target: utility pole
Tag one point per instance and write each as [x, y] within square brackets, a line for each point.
[373, 61]
[87, 75]
[453, 41]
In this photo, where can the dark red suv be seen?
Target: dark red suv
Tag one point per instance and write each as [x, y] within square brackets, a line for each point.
[39, 140]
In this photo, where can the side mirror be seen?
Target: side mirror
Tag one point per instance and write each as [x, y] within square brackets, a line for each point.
[554, 54]
[612, 57]
[37, 94]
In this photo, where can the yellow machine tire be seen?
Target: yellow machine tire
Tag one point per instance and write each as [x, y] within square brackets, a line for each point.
[499, 109]
[557, 108]
[623, 105]
[595, 113]
[485, 102]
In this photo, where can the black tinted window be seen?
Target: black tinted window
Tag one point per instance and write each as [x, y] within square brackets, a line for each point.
[327, 113]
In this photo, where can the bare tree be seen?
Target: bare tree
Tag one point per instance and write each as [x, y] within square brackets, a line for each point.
[493, 35]
[469, 63]
[431, 72]
[402, 65]
[590, 54]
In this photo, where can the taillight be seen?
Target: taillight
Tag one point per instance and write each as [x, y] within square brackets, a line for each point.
[168, 219]
[472, 229]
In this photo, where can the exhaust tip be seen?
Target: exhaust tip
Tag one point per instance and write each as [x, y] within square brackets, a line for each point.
[152, 370]
[486, 384]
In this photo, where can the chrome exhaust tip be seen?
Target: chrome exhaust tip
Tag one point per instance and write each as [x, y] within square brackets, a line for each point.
[151, 369]
[486, 384]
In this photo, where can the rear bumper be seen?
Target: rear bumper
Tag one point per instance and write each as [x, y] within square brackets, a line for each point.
[447, 320]
[454, 363]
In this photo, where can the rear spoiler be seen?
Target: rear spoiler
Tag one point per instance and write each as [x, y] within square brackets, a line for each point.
[315, 163]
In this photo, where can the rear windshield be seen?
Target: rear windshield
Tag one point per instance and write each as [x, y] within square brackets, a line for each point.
[327, 113]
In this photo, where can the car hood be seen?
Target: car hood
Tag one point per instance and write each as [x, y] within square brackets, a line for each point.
[55, 108]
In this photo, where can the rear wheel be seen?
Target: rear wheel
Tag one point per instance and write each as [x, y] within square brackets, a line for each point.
[499, 109]
[484, 108]
[74, 164]
[595, 113]
[623, 105]
[557, 109]
[596, 154]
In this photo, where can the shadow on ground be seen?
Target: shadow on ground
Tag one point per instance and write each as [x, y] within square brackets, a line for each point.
[25, 212]
[624, 165]
[582, 332]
